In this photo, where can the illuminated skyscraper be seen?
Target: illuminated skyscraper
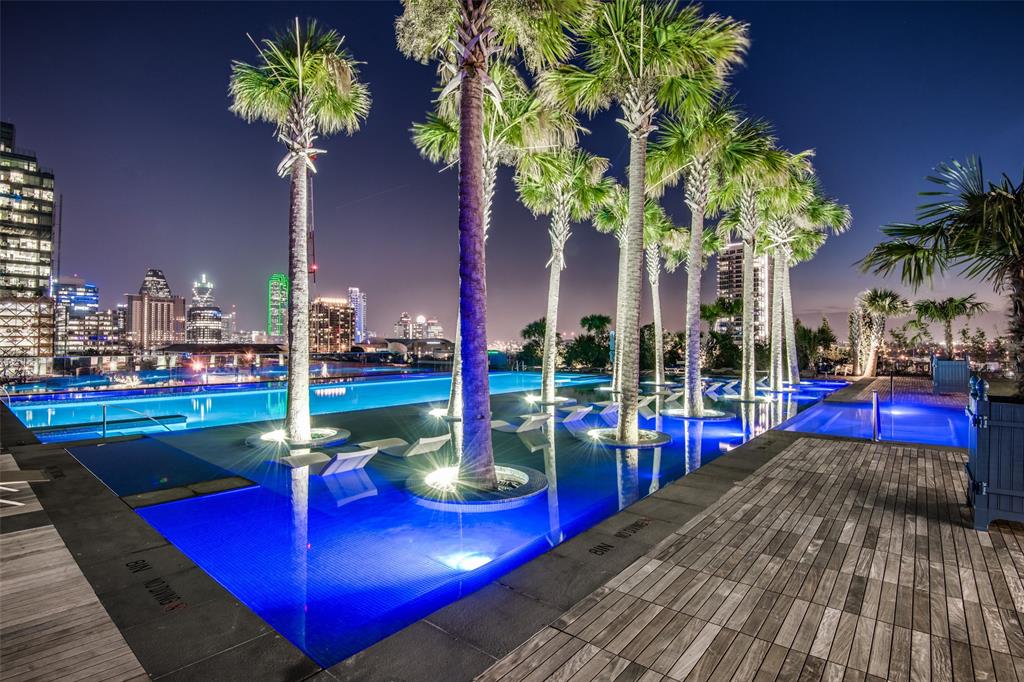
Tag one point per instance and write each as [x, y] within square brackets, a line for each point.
[26, 255]
[331, 322]
[156, 317]
[277, 305]
[205, 323]
[730, 287]
[357, 299]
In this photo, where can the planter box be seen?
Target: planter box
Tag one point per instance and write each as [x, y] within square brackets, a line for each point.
[995, 458]
[950, 376]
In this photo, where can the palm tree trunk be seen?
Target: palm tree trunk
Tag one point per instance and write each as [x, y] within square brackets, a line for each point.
[653, 263]
[947, 329]
[748, 377]
[790, 325]
[776, 370]
[559, 232]
[455, 393]
[477, 466]
[619, 298]
[1016, 326]
[628, 340]
[297, 422]
[697, 188]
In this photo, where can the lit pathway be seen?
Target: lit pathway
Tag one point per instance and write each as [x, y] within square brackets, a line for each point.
[913, 389]
[835, 560]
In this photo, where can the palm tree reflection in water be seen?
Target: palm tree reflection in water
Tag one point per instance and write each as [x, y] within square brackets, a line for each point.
[300, 542]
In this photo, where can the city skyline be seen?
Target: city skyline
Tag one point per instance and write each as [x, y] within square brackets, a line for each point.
[865, 156]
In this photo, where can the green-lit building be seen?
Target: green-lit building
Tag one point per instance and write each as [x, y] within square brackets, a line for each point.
[277, 305]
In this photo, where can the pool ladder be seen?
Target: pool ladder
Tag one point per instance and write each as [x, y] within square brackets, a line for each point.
[876, 418]
[128, 409]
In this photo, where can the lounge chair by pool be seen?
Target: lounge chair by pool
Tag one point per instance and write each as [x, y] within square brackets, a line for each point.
[575, 415]
[526, 422]
[397, 447]
[348, 458]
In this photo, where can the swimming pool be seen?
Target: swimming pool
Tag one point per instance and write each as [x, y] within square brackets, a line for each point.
[62, 419]
[907, 422]
[337, 563]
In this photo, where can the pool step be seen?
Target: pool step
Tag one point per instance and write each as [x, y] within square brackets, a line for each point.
[217, 485]
[112, 425]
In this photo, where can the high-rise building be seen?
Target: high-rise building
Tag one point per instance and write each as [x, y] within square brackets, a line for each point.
[26, 256]
[229, 326]
[277, 305]
[79, 325]
[357, 299]
[730, 287]
[205, 320]
[404, 327]
[331, 325]
[432, 329]
[77, 297]
[156, 317]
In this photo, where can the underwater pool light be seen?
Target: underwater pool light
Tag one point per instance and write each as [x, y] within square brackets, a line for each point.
[438, 412]
[445, 479]
[466, 561]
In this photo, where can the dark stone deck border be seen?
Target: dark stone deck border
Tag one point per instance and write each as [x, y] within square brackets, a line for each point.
[203, 632]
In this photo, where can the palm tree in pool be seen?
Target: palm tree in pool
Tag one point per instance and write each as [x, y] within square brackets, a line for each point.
[306, 84]
[464, 36]
[969, 226]
[740, 195]
[878, 305]
[646, 57]
[796, 220]
[515, 125]
[658, 230]
[613, 218]
[946, 311]
[569, 185]
[700, 149]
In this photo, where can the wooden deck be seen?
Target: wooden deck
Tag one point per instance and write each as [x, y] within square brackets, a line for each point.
[837, 560]
[52, 625]
[912, 389]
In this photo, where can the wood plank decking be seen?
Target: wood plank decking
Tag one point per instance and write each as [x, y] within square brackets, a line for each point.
[837, 560]
[912, 389]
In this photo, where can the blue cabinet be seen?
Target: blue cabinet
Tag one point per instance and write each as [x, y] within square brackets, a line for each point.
[995, 456]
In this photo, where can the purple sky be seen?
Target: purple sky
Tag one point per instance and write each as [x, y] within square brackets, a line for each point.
[127, 102]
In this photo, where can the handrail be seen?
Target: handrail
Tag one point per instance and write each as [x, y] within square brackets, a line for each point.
[7, 393]
[128, 409]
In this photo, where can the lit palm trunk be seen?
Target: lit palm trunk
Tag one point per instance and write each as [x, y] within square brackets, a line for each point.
[477, 466]
[790, 324]
[653, 262]
[697, 189]
[619, 298]
[749, 370]
[297, 422]
[629, 325]
[777, 314]
[559, 233]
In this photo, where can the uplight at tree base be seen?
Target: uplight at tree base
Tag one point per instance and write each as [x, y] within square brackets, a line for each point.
[646, 438]
[708, 415]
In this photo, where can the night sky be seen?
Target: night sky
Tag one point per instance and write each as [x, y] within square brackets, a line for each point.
[128, 104]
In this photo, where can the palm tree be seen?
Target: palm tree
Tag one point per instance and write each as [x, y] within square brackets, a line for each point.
[463, 36]
[517, 125]
[569, 185]
[596, 324]
[740, 193]
[878, 306]
[658, 229]
[967, 227]
[307, 85]
[645, 56]
[948, 310]
[699, 149]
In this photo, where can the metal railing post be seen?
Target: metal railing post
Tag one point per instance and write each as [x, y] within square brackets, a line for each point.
[876, 427]
[104, 421]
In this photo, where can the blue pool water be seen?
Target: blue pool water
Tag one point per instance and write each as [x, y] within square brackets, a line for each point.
[212, 407]
[337, 563]
[907, 422]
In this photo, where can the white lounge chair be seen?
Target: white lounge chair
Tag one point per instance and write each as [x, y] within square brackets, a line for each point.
[713, 388]
[397, 447]
[730, 388]
[675, 396]
[527, 422]
[348, 458]
[575, 415]
[354, 485]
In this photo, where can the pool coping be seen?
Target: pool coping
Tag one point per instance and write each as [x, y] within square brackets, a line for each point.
[182, 624]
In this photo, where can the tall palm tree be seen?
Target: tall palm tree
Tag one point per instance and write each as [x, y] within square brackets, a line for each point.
[517, 124]
[646, 57]
[464, 36]
[741, 195]
[966, 226]
[613, 218]
[878, 305]
[569, 185]
[658, 229]
[948, 310]
[306, 84]
[699, 149]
